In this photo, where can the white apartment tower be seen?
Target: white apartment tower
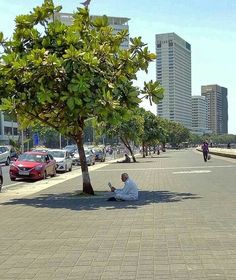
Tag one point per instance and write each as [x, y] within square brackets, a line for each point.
[173, 71]
[117, 23]
[199, 115]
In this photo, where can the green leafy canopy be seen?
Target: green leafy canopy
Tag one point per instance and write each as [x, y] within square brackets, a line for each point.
[63, 75]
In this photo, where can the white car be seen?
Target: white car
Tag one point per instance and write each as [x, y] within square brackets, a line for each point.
[5, 155]
[63, 159]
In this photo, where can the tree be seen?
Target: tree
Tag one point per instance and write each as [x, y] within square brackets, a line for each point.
[177, 133]
[130, 129]
[65, 75]
[154, 130]
[195, 139]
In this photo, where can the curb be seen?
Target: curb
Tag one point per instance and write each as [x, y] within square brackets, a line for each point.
[220, 153]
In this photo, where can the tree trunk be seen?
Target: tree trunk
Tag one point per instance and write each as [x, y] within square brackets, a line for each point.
[87, 187]
[127, 145]
[143, 147]
[132, 154]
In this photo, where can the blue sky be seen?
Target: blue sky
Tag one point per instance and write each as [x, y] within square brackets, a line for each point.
[208, 25]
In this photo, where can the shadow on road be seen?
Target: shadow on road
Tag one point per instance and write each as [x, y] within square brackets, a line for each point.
[75, 202]
[146, 160]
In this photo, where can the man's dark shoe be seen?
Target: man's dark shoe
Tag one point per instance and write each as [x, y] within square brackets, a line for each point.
[112, 199]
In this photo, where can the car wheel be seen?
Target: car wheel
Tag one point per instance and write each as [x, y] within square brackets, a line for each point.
[70, 168]
[1, 182]
[8, 161]
[13, 179]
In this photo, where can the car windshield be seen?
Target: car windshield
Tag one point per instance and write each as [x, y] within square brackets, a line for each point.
[57, 154]
[40, 150]
[31, 157]
[70, 147]
[87, 153]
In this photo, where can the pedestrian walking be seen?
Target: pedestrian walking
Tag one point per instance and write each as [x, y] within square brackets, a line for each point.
[205, 150]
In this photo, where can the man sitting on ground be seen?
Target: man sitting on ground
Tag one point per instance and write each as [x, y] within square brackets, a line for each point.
[126, 160]
[128, 192]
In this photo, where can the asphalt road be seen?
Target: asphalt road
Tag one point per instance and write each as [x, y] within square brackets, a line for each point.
[183, 165]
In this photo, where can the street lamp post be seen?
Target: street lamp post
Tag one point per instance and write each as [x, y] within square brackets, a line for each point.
[60, 140]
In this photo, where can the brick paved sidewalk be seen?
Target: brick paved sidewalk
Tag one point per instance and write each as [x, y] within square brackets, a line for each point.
[179, 229]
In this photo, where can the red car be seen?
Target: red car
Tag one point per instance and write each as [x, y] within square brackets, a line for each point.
[33, 165]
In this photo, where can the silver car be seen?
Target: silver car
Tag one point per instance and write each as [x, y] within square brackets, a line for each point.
[63, 159]
[90, 157]
[5, 155]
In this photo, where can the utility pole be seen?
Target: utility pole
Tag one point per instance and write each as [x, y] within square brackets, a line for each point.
[60, 140]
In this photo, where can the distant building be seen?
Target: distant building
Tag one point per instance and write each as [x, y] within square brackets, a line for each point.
[217, 108]
[117, 23]
[199, 115]
[173, 71]
[8, 129]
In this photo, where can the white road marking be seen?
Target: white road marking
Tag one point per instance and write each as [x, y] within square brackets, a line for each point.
[167, 168]
[192, 172]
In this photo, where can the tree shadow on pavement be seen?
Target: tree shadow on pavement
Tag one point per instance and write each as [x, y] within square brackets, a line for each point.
[75, 202]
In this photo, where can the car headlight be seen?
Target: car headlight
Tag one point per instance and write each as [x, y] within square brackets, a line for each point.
[38, 167]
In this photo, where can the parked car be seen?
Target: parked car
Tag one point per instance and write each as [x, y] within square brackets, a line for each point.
[63, 159]
[40, 149]
[100, 155]
[1, 179]
[5, 155]
[13, 152]
[90, 157]
[71, 149]
[33, 165]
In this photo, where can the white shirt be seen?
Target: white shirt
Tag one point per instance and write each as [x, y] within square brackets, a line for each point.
[128, 192]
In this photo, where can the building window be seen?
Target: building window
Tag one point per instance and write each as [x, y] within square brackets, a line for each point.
[7, 130]
[15, 131]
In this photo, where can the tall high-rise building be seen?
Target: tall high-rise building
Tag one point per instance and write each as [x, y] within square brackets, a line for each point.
[199, 115]
[217, 104]
[117, 23]
[173, 71]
